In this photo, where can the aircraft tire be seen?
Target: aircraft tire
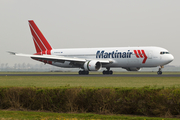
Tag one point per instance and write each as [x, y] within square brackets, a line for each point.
[87, 72]
[111, 72]
[80, 72]
[159, 72]
[83, 72]
[107, 72]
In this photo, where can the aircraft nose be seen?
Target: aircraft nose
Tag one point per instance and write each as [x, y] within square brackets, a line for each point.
[171, 58]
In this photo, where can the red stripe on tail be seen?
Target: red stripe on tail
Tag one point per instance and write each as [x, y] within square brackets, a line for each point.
[36, 46]
[49, 52]
[39, 39]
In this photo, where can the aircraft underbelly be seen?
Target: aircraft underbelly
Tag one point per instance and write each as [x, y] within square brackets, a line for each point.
[117, 62]
[66, 64]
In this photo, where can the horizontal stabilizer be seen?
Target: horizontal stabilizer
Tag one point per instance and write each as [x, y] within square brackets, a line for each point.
[13, 53]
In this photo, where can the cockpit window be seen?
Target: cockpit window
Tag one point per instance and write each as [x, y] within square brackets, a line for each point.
[164, 53]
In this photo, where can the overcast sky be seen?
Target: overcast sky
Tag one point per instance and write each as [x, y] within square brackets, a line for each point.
[89, 23]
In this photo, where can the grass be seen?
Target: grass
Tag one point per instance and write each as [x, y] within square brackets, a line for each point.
[57, 81]
[30, 115]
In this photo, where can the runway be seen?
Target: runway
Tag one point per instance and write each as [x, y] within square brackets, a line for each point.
[97, 75]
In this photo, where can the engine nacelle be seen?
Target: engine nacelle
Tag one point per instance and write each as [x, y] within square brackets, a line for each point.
[92, 65]
[133, 69]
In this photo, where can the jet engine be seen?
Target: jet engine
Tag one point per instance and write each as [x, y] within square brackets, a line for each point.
[92, 65]
[133, 69]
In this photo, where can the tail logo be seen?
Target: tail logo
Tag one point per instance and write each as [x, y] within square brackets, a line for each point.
[141, 54]
[40, 42]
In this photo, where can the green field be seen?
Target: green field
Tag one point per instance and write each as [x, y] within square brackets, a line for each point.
[58, 81]
[23, 115]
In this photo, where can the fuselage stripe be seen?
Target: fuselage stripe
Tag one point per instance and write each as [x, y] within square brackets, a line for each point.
[140, 54]
[136, 53]
[145, 57]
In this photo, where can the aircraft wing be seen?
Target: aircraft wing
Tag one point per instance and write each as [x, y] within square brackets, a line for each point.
[57, 58]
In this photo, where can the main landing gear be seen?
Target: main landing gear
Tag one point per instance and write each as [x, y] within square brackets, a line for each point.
[83, 72]
[107, 72]
[159, 72]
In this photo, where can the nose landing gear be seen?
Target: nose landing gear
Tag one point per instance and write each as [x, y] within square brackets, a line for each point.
[159, 72]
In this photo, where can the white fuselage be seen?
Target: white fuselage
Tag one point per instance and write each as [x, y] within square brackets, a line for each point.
[125, 57]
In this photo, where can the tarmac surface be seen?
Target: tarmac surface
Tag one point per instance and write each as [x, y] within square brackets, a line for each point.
[97, 75]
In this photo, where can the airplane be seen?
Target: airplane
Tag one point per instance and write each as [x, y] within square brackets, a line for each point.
[93, 59]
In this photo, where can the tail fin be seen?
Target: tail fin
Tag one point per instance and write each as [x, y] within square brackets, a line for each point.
[40, 42]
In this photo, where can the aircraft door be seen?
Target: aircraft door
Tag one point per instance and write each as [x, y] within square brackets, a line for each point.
[150, 54]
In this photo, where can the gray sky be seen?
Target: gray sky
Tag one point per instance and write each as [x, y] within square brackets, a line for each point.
[93, 23]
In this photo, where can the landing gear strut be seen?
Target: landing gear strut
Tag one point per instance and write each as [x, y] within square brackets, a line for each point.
[108, 71]
[83, 72]
[159, 72]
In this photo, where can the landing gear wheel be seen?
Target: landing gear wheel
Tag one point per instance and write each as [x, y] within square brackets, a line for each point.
[110, 72]
[107, 72]
[83, 72]
[87, 72]
[159, 72]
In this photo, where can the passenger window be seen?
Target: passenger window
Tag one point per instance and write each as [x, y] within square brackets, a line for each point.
[164, 53]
